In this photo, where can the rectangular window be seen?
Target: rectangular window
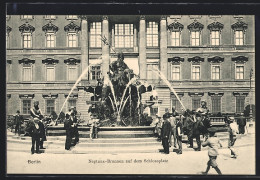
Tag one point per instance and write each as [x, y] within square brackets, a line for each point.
[240, 104]
[239, 72]
[176, 104]
[50, 74]
[195, 72]
[176, 72]
[50, 40]
[215, 72]
[239, 38]
[153, 111]
[152, 34]
[27, 40]
[72, 17]
[72, 40]
[216, 104]
[195, 38]
[49, 17]
[175, 38]
[195, 103]
[50, 106]
[27, 73]
[26, 106]
[72, 102]
[27, 17]
[95, 72]
[95, 34]
[150, 73]
[124, 35]
[72, 73]
[215, 38]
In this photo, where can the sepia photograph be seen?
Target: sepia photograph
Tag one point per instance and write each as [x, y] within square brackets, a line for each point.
[130, 94]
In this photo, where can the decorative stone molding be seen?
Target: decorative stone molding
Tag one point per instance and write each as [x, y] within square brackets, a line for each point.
[26, 61]
[72, 96]
[163, 17]
[216, 59]
[240, 93]
[50, 96]
[196, 59]
[50, 27]
[83, 17]
[104, 17]
[215, 26]
[240, 59]
[176, 59]
[215, 93]
[142, 17]
[9, 61]
[175, 26]
[8, 96]
[8, 29]
[48, 61]
[178, 93]
[192, 94]
[71, 27]
[26, 28]
[71, 61]
[238, 26]
[26, 96]
[195, 26]
[195, 17]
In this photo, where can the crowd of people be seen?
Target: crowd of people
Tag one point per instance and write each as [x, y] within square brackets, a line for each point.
[169, 129]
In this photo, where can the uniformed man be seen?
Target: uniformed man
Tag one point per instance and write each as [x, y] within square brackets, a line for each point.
[166, 133]
[198, 125]
[75, 122]
[179, 133]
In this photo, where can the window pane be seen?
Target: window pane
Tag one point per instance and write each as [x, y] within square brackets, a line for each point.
[50, 106]
[26, 106]
[50, 74]
[124, 35]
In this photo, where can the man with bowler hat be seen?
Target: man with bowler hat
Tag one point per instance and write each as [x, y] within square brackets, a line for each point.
[34, 130]
[166, 132]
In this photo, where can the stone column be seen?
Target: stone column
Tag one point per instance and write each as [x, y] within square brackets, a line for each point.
[84, 44]
[105, 47]
[142, 49]
[163, 46]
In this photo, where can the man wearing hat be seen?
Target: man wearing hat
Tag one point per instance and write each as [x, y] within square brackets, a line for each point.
[198, 125]
[73, 114]
[35, 132]
[166, 133]
[241, 121]
[18, 120]
[233, 131]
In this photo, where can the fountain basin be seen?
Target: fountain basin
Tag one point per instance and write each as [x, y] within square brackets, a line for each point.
[106, 132]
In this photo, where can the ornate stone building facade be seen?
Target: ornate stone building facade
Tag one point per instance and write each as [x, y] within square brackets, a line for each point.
[205, 57]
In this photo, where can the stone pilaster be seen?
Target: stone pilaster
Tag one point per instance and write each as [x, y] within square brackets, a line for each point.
[163, 46]
[105, 47]
[142, 48]
[84, 44]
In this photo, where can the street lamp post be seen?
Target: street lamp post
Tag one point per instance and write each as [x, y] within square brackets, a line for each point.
[250, 103]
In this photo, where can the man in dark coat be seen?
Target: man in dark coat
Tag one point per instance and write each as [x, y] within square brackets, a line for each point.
[198, 126]
[18, 120]
[35, 132]
[166, 132]
[241, 121]
[43, 134]
[75, 124]
[68, 125]
[189, 127]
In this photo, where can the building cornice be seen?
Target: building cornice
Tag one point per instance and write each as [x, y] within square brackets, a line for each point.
[71, 61]
[195, 26]
[71, 27]
[26, 61]
[26, 27]
[48, 61]
[215, 26]
[175, 26]
[240, 59]
[50, 27]
[240, 25]
[176, 59]
[216, 59]
[196, 59]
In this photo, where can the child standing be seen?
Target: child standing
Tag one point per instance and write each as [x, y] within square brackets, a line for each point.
[213, 143]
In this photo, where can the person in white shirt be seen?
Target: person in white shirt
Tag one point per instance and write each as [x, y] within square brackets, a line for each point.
[233, 131]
